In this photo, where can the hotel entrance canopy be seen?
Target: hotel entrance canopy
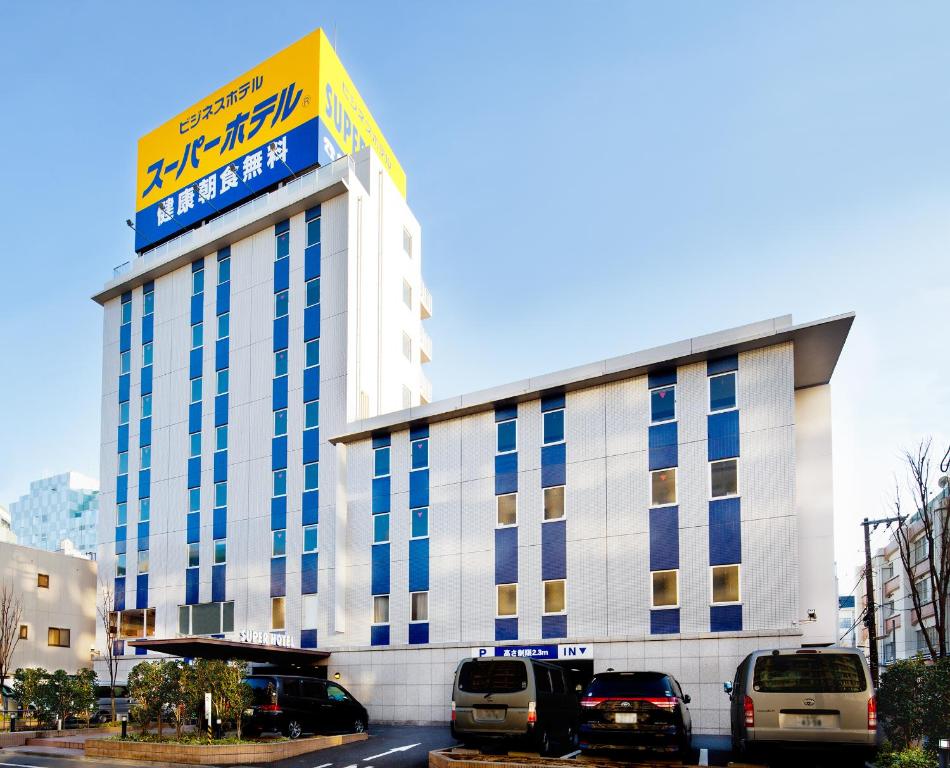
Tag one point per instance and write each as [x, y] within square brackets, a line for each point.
[213, 648]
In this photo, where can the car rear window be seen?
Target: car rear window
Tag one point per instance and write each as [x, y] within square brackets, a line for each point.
[640, 684]
[263, 689]
[493, 676]
[809, 673]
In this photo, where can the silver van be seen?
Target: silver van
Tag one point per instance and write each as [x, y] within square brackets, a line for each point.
[803, 697]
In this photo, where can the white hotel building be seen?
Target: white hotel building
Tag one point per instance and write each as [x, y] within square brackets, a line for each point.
[271, 463]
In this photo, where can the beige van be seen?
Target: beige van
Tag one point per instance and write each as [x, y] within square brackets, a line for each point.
[800, 697]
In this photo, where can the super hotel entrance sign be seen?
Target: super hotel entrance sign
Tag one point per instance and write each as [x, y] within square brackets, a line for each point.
[541, 652]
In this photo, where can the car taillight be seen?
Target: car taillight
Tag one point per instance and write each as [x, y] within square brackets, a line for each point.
[268, 708]
[749, 712]
[453, 711]
[872, 713]
[592, 702]
[532, 712]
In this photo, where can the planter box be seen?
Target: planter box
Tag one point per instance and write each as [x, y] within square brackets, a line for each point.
[213, 754]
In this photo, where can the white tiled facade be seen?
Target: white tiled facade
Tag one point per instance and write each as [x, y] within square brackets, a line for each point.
[64, 506]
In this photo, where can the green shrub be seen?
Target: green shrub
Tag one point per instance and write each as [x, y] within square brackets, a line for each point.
[912, 757]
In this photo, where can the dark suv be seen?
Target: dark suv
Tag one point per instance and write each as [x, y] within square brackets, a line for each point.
[294, 705]
[635, 710]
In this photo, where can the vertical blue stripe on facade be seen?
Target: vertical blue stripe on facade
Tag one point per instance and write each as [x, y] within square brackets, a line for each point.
[124, 382]
[380, 569]
[308, 573]
[125, 337]
[218, 581]
[148, 328]
[193, 527]
[379, 634]
[145, 483]
[506, 555]
[723, 429]
[506, 629]
[278, 452]
[311, 507]
[553, 550]
[419, 565]
[308, 638]
[311, 384]
[221, 354]
[145, 431]
[278, 513]
[419, 633]
[279, 393]
[278, 576]
[665, 621]
[194, 472]
[220, 410]
[119, 598]
[219, 523]
[725, 532]
[722, 365]
[506, 473]
[223, 298]
[194, 362]
[664, 539]
[122, 489]
[191, 586]
[281, 334]
[725, 618]
[197, 307]
[220, 466]
[553, 626]
[553, 465]
[419, 488]
[281, 275]
[194, 418]
[141, 590]
[146, 383]
[381, 494]
[311, 323]
[311, 445]
[663, 447]
[123, 438]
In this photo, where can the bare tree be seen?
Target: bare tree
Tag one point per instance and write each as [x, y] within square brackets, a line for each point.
[928, 520]
[110, 625]
[11, 611]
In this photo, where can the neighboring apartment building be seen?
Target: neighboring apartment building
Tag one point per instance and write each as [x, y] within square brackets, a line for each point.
[7, 535]
[59, 508]
[847, 621]
[57, 594]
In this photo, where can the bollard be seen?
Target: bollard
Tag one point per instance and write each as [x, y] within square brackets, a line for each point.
[125, 725]
[12, 723]
[944, 753]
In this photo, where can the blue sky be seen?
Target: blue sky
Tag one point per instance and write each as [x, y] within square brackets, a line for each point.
[592, 179]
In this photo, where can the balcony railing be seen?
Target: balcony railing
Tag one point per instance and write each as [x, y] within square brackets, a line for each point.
[425, 302]
[425, 346]
[425, 389]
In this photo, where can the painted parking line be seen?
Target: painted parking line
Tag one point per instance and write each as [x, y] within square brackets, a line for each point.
[704, 757]
[392, 751]
[324, 765]
[569, 755]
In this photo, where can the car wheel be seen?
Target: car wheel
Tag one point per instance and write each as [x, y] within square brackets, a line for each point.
[293, 729]
[359, 725]
[572, 738]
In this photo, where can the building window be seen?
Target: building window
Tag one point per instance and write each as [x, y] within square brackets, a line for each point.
[722, 392]
[279, 548]
[24, 632]
[313, 353]
[277, 613]
[220, 552]
[280, 482]
[221, 438]
[311, 417]
[554, 596]
[919, 550]
[309, 610]
[194, 444]
[283, 246]
[121, 513]
[380, 528]
[224, 325]
[665, 589]
[147, 353]
[507, 509]
[120, 561]
[224, 270]
[280, 363]
[507, 433]
[420, 454]
[313, 292]
[197, 335]
[220, 494]
[124, 463]
[663, 404]
[311, 476]
[407, 242]
[663, 487]
[381, 609]
[406, 346]
[126, 312]
[145, 509]
[280, 422]
[420, 522]
[58, 637]
[381, 462]
[224, 379]
[196, 390]
[42, 580]
[197, 282]
[124, 412]
[313, 230]
[281, 304]
[143, 561]
[148, 303]
[507, 600]
[125, 362]
[725, 584]
[193, 555]
[146, 406]
[419, 606]
[923, 590]
[145, 457]
[194, 499]
[554, 426]
[406, 293]
[310, 538]
[554, 502]
[723, 478]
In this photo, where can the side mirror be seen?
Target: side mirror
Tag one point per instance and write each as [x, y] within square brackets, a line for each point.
[686, 698]
[727, 687]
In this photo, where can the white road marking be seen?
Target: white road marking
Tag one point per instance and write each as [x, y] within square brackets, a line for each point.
[704, 757]
[25, 765]
[390, 752]
[569, 755]
[324, 765]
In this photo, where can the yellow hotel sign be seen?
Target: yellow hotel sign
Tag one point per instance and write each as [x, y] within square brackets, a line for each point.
[294, 110]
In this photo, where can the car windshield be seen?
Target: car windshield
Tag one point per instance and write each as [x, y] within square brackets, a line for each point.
[263, 689]
[493, 676]
[809, 673]
[639, 684]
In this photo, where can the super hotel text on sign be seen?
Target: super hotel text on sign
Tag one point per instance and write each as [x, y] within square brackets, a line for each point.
[296, 109]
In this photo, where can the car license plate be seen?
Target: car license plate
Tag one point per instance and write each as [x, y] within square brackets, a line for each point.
[811, 721]
[489, 714]
[625, 717]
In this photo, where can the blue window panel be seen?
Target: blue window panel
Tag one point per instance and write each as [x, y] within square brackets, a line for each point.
[220, 410]
[194, 363]
[310, 514]
[193, 527]
[554, 426]
[420, 453]
[725, 618]
[148, 287]
[311, 445]
[191, 586]
[725, 532]
[147, 380]
[221, 354]
[124, 381]
[278, 576]
[664, 539]
[554, 550]
[194, 472]
[278, 513]
[506, 629]
[218, 581]
[553, 465]
[419, 432]
[311, 384]
[722, 365]
[308, 638]
[278, 452]
[312, 213]
[419, 488]
[120, 533]
[380, 569]
[279, 393]
[143, 536]
[665, 622]
[194, 418]
[119, 598]
[148, 329]
[507, 434]
[223, 299]
[311, 261]
[552, 402]
[125, 337]
[506, 473]
[138, 650]
[379, 634]
[418, 565]
[506, 412]
[280, 333]
[311, 323]
[145, 483]
[553, 626]
[723, 435]
[145, 431]
[121, 489]
[381, 441]
[121, 547]
[281, 275]
[419, 633]
[506, 555]
[663, 440]
[282, 226]
[127, 297]
[141, 590]
[661, 378]
[220, 466]
[198, 265]
[197, 307]
[123, 438]
[381, 492]
[219, 526]
[308, 573]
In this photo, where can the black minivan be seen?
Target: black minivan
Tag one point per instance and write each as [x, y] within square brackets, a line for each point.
[295, 705]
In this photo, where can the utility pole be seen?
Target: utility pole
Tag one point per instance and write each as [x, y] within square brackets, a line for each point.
[870, 618]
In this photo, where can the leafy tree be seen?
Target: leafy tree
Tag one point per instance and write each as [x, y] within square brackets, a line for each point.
[224, 681]
[62, 695]
[936, 718]
[26, 685]
[901, 702]
[11, 610]
[84, 693]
